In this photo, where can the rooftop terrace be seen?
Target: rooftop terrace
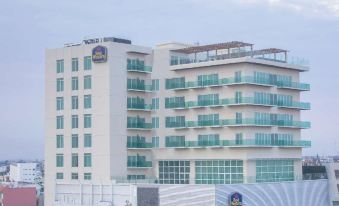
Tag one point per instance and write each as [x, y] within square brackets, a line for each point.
[231, 50]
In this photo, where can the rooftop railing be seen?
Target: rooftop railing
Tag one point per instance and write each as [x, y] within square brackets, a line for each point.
[178, 60]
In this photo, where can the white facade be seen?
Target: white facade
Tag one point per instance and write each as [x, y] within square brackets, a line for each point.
[23, 172]
[162, 116]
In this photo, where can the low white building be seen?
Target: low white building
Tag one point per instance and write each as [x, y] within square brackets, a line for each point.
[23, 172]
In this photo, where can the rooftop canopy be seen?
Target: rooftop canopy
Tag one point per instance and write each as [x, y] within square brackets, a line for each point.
[210, 47]
[269, 51]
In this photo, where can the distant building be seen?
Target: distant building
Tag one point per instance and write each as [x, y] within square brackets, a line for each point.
[23, 172]
[25, 196]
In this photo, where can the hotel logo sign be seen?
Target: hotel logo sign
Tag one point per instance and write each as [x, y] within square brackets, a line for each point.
[235, 199]
[99, 54]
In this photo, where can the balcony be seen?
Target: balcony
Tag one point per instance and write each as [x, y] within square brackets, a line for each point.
[139, 107]
[139, 87]
[235, 102]
[139, 145]
[241, 123]
[139, 68]
[237, 81]
[139, 126]
[139, 164]
[238, 143]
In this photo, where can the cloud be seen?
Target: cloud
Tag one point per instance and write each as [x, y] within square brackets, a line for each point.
[321, 8]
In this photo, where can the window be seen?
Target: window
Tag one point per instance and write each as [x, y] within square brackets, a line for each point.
[238, 97]
[155, 142]
[88, 82]
[60, 122]
[136, 177]
[75, 102]
[177, 121]
[336, 172]
[208, 120]
[208, 140]
[87, 101]
[60, 84]
[87, 176]
[60, 66]
[238, 118]
[87, 160]
[75, 64]
[208, 99]
[274, 170]
[174, 172]
[75, 121]
[175, 141]
[87, 121]
[59, 160]
[155, 122]
[238, 139]
[75, 141]
[59, 103]
[206, 80]
[87, 140]
[87, 63]
[59, 176]
[75, 160]
[138, 161]
[175, 83]
[155, 103]
[155, 84]
[75, 176]
[174, 102]
[75, 83]
[60, 141]
[219, 172]
[279, 139]
[237, 76]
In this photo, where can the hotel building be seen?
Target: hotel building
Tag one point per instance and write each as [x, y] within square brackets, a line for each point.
[177, 114]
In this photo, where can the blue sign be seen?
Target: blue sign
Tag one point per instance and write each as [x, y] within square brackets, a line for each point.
[235, 199]
[99, 54]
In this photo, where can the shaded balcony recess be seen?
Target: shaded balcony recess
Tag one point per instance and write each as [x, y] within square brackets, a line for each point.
[230, 50]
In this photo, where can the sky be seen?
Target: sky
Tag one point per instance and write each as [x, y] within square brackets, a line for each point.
[307, 28]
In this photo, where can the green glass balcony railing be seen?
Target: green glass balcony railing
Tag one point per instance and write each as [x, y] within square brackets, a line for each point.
[139, 68]
[139, 106]
[241, 101]
[139, 125]
[140, 87]
[242, 122]
[139, 164]
[239, 143]
[239, 80]
[294, 85]
[139, 145]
